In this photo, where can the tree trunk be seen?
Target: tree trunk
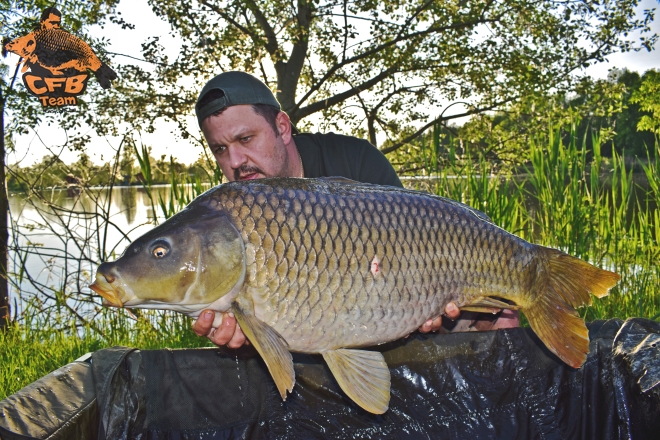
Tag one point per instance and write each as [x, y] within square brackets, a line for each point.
[4, 231]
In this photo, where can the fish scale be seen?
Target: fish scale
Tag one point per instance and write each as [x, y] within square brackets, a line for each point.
[290, 300]
[330, 265]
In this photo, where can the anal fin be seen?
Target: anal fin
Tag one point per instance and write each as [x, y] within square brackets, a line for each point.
[486, 304]
[363, 375]
[271, 346]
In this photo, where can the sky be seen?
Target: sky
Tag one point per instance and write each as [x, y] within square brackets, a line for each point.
[33, 147]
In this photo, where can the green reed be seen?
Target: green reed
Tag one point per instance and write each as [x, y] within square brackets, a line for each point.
[147, 176]
[184, 190]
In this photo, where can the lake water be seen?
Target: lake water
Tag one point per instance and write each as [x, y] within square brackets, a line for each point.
[59, 240]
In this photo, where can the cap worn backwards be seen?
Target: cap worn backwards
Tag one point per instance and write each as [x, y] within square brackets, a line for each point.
[238, 88]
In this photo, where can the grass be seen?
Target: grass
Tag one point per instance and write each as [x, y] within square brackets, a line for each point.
[568, 197]
[35, 347]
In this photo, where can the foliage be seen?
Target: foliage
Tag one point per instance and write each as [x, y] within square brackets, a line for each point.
[628, 139]
[598, 107]
[52, 172]
[374, 69]
[648, 98]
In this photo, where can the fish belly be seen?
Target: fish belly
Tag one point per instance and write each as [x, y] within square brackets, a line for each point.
[357, 265]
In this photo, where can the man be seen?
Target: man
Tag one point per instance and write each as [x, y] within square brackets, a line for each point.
[51, 18]
[251, 138]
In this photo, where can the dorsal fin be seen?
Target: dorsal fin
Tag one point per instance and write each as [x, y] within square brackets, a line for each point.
[339, 179]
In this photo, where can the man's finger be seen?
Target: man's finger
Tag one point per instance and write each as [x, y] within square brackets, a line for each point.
[203, 325]
[436, 324]
[238, 339]
[426, 327]
[225, 332]
[452, 311]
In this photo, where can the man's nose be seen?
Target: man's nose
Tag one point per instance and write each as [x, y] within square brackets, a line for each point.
[237, 157]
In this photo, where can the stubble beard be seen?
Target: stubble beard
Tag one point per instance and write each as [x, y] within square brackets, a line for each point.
[245, 170]
[286, 166]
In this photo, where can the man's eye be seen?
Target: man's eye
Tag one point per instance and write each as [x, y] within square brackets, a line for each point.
[246, 139]
[220, 149]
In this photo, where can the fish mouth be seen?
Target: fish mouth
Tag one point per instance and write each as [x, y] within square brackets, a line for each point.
[107, 291]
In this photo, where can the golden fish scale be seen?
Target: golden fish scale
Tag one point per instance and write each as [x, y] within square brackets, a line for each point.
[310, 248]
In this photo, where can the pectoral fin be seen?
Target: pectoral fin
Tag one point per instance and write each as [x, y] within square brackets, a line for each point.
[487, 305]
[270, 345]
[363, 375]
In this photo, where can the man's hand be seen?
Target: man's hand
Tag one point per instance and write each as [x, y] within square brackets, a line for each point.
[451, 311]
[220, 328]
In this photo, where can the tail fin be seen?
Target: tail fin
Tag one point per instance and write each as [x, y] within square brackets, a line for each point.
[104, 75]
[565, 285]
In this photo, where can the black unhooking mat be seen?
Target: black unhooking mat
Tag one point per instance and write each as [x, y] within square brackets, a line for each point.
[502, 384]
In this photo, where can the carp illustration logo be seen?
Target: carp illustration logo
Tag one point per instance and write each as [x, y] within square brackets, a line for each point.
[58, 62]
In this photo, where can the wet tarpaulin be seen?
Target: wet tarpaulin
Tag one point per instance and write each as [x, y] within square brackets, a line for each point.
[500, 384]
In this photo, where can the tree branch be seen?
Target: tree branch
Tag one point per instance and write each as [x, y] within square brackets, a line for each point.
[289, 72]
[331, 71]
[320, 105]
[271, 39]
[441, 119]
[255, 38]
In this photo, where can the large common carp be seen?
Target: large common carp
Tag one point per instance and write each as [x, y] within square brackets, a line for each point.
[328, 265]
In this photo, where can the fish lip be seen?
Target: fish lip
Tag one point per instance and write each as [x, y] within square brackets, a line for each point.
[110, 297]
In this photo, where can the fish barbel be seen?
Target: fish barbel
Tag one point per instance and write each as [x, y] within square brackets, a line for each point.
[330, 265]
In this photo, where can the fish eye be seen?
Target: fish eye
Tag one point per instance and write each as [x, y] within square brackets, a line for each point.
[159, 251]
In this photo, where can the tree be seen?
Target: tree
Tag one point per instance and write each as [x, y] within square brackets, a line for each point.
[648, 99]
[386, 70]
[605, 108]
[503, 136]
[21, 112]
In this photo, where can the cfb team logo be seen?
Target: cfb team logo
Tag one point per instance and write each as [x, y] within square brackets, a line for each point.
[58, 62]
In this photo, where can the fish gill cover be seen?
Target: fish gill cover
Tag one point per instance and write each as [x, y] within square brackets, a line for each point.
[58, 62]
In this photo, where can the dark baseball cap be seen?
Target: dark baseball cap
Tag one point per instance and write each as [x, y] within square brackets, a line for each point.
[238, 88]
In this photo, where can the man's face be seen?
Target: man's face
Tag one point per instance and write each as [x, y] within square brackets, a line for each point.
[53, 21]
[245, 145]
